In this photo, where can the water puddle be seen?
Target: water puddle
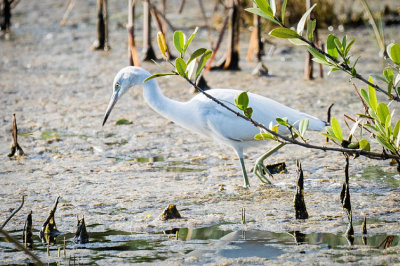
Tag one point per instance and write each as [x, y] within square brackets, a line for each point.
[161, 164]
[205, 244]
[49, 135]
[392, 180]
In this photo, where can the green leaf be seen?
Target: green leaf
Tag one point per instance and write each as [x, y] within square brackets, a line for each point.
[379, 77]
[258, 12]
[388, 73]
[202, 62]
[382, 113]
[364, 145]
[384, 143]
[331, 47]
[158, 75]
[354, 145]
[338, 45]
[190, 39]
[123, 121]
[298, 42]
[330, 134]
[284, 33]
[248, 112]
[310, 29]
[344, 41]
[336, 129]
[179, 41]
[282, 121]
[242, 100]
[303, 126]
[283, 10]
[190, 69]
[265, 7]
[396, 130]
[181, 66]
[302, 22]
[349, 46]
[393, 50]
[365, 96]
[319, 61]
[373, 102]
[196, 54]
[273, 6]
[261, 136]
[316, 53]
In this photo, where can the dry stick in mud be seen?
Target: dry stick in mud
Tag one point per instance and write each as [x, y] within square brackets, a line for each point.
[70, 6]
[13, 213]
[256, 45]
[27, 234]
[102, 27]
[164, 18]
[299, 202]
[219, 41]
[148, 51]
[232, 57]
[21, 247]
[81, 235]
[15, 146]
[345, 200]
[132, 51]
[49, 227]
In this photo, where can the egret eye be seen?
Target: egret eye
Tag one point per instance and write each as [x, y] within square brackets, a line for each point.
[117, 86]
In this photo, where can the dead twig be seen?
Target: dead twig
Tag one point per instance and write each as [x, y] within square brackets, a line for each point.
[15, 146]
[13, 213]
[70, 6]
[219, 41]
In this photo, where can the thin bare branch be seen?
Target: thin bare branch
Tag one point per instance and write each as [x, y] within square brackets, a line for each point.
[13, 213]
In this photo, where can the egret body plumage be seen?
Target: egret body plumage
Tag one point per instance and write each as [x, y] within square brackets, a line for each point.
[204, 116]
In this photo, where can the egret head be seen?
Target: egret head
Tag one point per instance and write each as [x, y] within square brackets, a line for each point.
[125, 79]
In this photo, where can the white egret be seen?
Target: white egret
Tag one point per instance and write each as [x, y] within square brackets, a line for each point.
[204, 116]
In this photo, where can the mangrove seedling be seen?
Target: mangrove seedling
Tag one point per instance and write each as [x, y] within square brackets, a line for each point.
[299, 203]
[15, 146]
[81, 235]
[49, 232]
[27, 234]
[171, 212]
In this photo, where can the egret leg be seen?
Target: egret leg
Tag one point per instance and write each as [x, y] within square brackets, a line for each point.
[246, 180]
[259, 167]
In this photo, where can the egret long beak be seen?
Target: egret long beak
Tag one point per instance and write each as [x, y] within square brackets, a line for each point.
[111, 104]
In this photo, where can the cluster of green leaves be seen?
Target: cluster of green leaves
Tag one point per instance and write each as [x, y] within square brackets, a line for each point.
[184, 68]
[242, 102]
[391, 74]
[337, 56]
[378, 122]
[300, 132]
[336, 48]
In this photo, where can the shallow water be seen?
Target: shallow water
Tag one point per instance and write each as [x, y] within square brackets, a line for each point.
[205, 244]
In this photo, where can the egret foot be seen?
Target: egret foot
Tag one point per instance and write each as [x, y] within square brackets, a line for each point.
[259, 168]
